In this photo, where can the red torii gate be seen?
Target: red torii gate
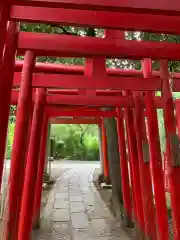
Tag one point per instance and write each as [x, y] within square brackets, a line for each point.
[76, 120]
[147, 16]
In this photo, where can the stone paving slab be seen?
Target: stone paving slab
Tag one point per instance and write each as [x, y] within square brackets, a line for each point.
[80, 220]
[60, 215]
[76, 207]
[58, 203]
[75, 211]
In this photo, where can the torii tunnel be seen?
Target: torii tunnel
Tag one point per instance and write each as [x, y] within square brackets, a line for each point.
[44, 91]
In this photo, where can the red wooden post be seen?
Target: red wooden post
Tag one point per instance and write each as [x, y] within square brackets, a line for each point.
[124, 170]
[39, 184]
[144, 167]
[172, 146]
[31, 110]
[19, 146]
[156, 159]
[133, 194]
[105, 157]
[31, 106]
[4, 16]
[26, 214]
[135, 178]
[95, 68]
[178, 116]
[6, 81]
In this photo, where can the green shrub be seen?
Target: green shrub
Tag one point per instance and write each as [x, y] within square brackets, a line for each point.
[76, 142]
[9, 142]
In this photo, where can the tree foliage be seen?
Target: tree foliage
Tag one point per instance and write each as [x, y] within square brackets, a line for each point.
[75, 141]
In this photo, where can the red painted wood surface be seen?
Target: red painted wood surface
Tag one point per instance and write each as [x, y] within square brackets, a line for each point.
[177, 106]
[95, 69]
[6, 81]
[31, 108]
[79, 70]
[124, 167]
[73, 108]
[4, 15]
[27, 210]
[78, 100]
[56, 111]
[144, 167]
[90, 82]
[102, 99]
[74, 92]
[98, 19]
[90, 101]
[67, 81]
[134, 165]
[113, 101]
[76, 46]
[78, 120]
[170, 128]
[53, 68]
[19, 147]
[155, 158]
[161, 7]
[175, 84]
[104, 92]
[40, 175]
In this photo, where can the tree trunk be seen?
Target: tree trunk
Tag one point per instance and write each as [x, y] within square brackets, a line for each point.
[114, 165]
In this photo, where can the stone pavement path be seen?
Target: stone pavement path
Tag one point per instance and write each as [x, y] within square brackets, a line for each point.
[75, 211]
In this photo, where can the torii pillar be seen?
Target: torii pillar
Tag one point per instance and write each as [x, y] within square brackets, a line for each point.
[6, 82]
[18, 159]
[40, 177]
[30, 182]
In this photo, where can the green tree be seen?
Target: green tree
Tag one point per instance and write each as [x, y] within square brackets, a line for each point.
[76, 141]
